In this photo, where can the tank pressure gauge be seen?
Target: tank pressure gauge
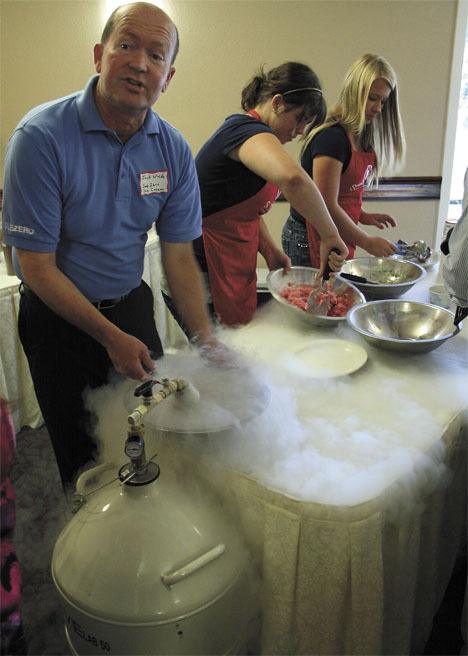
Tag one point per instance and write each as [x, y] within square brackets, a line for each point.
[138, 471]
[134, 447]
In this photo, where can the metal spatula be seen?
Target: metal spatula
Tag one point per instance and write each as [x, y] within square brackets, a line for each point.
[354, 278]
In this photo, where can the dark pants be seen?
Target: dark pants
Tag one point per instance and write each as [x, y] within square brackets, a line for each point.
[64, 361]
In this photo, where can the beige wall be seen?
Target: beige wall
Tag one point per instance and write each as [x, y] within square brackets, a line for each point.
[46, 52]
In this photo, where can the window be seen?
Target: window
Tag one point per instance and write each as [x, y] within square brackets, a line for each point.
[460, 158]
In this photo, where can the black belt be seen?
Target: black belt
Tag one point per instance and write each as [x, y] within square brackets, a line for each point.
[105, 304]
[108, 303]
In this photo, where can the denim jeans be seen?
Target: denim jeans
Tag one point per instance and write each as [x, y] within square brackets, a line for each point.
[295, 242]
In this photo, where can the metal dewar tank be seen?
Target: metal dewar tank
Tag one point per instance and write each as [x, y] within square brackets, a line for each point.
[149, 566]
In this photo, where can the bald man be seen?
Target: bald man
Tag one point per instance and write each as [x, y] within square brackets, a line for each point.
[86, 177]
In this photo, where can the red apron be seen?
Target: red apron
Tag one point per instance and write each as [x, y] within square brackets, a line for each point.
[349, 198]
[231, 238]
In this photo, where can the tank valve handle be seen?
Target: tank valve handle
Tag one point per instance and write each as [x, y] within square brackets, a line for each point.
[169, 386]
[146, 388]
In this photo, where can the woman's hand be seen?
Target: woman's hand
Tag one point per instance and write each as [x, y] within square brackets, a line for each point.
[380, 247]
[273, 256]
[378, 220]
[277, 259]
[335, 260]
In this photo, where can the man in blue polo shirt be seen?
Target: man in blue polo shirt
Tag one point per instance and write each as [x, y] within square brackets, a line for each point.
[86, 177]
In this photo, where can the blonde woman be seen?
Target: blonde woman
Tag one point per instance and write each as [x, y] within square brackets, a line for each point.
[362, 136]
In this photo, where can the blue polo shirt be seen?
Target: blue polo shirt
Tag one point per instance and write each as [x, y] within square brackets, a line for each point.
[73, 188]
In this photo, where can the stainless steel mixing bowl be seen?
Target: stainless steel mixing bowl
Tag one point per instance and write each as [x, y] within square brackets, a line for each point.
[276, 282]
[406, 326]
[388, 277]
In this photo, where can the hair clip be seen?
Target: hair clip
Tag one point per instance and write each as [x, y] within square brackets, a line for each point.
[303, 89]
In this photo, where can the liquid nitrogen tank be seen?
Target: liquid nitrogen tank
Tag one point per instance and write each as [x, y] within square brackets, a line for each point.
[149, 566]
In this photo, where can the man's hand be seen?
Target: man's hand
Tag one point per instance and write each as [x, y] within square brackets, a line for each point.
[219, 354]
[130, 357]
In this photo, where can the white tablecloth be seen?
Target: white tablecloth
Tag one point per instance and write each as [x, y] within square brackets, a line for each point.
[363, 578]
[15, 380]
[344, 568]
[168, 329]
[352, 580]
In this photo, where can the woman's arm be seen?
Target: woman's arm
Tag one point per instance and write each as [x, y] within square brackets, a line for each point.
[327, 175]
[264, 155]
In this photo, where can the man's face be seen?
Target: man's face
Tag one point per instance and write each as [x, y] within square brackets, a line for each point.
[135, 63]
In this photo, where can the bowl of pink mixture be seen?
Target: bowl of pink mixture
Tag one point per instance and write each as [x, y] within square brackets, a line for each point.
[292, 290]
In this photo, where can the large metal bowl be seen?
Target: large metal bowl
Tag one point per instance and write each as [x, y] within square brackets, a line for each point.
[406, 326]
[276, 282]
[391, 277]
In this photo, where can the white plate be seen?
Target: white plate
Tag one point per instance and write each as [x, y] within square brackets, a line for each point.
[328, 358]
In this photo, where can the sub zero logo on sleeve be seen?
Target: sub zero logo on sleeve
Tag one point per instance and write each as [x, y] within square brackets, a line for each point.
[153, 182]
[11, 227]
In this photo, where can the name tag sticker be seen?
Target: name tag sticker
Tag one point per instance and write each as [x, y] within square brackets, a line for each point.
[153, 182]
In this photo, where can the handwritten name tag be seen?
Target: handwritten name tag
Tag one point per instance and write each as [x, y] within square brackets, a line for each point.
[153, 182]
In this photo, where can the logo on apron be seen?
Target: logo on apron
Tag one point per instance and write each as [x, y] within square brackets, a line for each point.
[359, 185]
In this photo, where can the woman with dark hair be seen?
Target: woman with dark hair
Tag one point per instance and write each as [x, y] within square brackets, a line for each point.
[242, 169]
[361, 136]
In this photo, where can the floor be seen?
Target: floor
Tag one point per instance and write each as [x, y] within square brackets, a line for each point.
[42, 512]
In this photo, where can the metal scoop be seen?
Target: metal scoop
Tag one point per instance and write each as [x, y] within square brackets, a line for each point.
[420, 251]
[318, 302]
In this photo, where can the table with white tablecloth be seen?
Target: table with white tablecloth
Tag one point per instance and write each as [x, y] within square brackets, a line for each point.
[349, 580]
[366, 577]
[15, 379]
[355, 557]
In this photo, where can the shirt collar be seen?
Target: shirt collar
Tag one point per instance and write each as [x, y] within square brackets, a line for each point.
[91, 119]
